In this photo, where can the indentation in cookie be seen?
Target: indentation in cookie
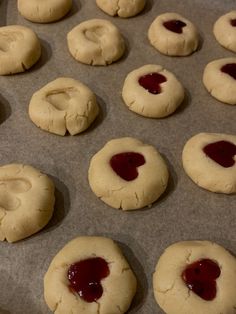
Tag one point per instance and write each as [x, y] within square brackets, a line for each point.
[15, 185]
[229, 69]
[175, 26]
[152, 82]
[233, 22]
[7, 38]
[95, 33]
[8, 201]
[60, 99]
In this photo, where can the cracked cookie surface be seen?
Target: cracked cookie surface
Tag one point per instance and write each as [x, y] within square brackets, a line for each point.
[121, 8]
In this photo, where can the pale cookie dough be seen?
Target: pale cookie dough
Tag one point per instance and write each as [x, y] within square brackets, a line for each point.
[119, 286]
[220, 85]
[225, 31]
[117, 192]
[19, 49]
[203, 170]
[121, 8]
[170, 43]
[26, 201]
[141, 101]
[96, 42]
[44, 11]
[173, 295]
[63, 105]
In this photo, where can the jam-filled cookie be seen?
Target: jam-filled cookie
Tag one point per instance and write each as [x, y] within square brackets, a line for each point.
[121, 8]
[219, 78]
[196, 277]
[89, 275]
[128, 174]
[152, 91]
[209, 159]
[173, 35]
[225, 30]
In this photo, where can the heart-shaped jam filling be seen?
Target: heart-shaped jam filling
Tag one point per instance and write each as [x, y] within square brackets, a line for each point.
[222, 152]
[230, 69]
[85, 278]
[125, 165]
[152, 82]
[175, 26]
[233, 22]
[200, 277]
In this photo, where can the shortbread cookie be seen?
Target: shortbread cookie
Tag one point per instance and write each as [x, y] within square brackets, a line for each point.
[210, 161]
[173, 35]
[196, 277]
[225, 30]
[122, 8]
[19, 49]
[96, 42]
[44, 11]
[219, 79]
[63, 105]
[128, 174]
[152, 91]
[26, 201]
[89, 276]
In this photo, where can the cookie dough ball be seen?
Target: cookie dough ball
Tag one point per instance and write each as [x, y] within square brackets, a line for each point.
[19, 49]
[209, 159]
[45, 11]
[26, 201]
[89, 276]
[122, 8]
[63, 105]
[128, 174]
[196, 277]
[173, 35]
[96, 42]
[152, 91]
[219, 78]
[225, 31]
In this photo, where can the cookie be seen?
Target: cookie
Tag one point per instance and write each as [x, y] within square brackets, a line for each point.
[19, 49]
[196, 277]
[225, 31]
[96, 42]
[39, 11]
[173, 35]
[219, 78]
[26, 201]
[121, 8]
[128, 174]
[89, 275]
[152, 91]
[63, 105]
[209, 160]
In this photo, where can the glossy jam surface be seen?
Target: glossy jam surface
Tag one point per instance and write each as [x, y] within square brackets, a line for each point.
[125, 165]
[85, 278]
[230, 69]
[222, 152]
[152, 82]
[233, 22]
[175, 26]
[200, 277]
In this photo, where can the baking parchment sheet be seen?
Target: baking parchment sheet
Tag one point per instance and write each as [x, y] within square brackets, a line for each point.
[185, 211]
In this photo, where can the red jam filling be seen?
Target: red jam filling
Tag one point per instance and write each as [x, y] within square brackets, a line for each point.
[233, 22]
[175, 26]
[152, 82]
[222, 152]
[200, 277]
[230, 69]
[125, 165]
[85, 278]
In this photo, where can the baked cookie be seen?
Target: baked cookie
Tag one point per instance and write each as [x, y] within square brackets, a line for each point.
[19, 49]
[63, 105]
[173, 35]
[152, 91]
[209, 159]
[128, 174]
[89, 276]
[121, 8]
[225, 31]
[26, 201]
[44, 11]
[196, 277]
[219, 78]
[96, 42]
